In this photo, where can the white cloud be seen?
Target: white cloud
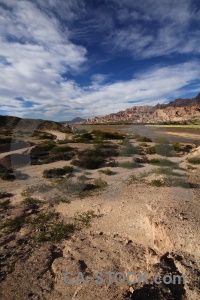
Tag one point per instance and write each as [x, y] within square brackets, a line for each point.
[35, 51]
[164, 28]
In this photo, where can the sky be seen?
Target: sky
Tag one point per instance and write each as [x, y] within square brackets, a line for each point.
[61, 59]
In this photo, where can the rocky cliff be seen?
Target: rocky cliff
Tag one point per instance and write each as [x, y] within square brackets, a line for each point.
[178, 110]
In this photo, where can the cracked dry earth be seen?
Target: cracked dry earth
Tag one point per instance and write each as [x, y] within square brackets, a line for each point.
[137, 228]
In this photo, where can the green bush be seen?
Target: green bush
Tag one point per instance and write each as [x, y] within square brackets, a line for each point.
[165, 150]
[150, 150]
[107, 135]
[194, 160]
[61, 149]
[177, 146]
[57, 172]
[90, 163]
[128, 149]
[107, 150]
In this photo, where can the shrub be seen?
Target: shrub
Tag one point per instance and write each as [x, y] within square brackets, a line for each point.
[5, 195]
[129, 165]
[107, 135]
[129, 149]
[106, 150]
[177, 146]
[157, 182]
[112, 163]
[165, 150]
[143, 139]
[5, 205]
[92, 187]
[61, 149]
[31, 203]
[2, 169]
[90, 163]
[163, 162]
[194, 160]
[89, 159]
[57, 172]
[46, 146]
[106, 172]
[143, 145]
[150, 150]
[8, 175]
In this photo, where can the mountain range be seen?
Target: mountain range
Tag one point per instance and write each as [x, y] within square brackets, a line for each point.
[179, 110]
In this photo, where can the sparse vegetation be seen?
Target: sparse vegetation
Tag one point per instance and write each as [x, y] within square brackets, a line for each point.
[31, 203]
[157, 182]
[128, 149]
[129, 165]
[5, 205]
[166, 171]
[40, 188]
[163, 162]
[61, 200]
[84, 219]
[90, 188]
[47, 227]
[106, 172]
[14, 224]
[143, 139]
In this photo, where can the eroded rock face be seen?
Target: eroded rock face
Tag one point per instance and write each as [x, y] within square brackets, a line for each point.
[175, 111]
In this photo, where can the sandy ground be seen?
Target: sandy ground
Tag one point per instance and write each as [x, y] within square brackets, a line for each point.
[138, 228]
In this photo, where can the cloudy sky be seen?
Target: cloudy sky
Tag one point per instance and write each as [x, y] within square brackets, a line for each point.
[65, 58]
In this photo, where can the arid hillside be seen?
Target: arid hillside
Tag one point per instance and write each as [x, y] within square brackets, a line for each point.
[179, 110]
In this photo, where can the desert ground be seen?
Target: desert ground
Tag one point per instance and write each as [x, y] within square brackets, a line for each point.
[92, 202]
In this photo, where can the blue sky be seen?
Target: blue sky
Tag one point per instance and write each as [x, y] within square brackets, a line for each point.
[61, 59]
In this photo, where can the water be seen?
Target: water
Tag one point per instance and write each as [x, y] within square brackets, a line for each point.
[186, 135]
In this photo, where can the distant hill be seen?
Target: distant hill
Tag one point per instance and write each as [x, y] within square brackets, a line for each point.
[179, 110]
[74, 121]
[9, 123]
